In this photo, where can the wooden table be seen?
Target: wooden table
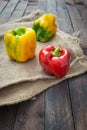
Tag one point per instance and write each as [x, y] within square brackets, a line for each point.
[64, 106]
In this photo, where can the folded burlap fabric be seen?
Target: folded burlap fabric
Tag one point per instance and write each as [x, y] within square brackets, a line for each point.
[22, 81]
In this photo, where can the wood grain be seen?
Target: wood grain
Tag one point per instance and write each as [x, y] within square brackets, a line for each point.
[42, 5]
[17, 12]
[31, 6]
[83, 12]
[7, 117]
[78, 25]
[30, 114]
[51, 6]
[2, 5]
[78, 92]
[55, 117]
[63, 19]
[6, 13]
[58, 115]
[77, 85]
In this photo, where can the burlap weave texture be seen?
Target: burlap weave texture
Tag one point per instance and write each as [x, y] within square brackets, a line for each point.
[22, 81]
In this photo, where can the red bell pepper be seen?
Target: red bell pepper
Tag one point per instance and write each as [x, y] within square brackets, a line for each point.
[55, 61]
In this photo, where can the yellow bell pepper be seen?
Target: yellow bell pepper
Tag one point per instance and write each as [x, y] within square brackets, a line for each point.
[20, 44]
[45, 27]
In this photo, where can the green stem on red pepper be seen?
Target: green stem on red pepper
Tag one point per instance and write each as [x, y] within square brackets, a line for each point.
[56, 52]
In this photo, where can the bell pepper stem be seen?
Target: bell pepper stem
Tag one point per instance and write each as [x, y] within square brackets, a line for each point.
[56, 52]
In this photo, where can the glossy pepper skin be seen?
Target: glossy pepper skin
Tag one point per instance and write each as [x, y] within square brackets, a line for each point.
[20, 44]
[45, 27]
[55, 61]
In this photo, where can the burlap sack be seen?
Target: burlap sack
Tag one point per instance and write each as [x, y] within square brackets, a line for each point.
[22, 81]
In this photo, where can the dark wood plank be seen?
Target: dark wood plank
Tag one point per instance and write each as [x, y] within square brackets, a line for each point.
[6, 13]
[78, 92]
[10, 7]
[63, 19]
[83, 12]
[73, 12]
[7, 117]
[19, 10]
[85, 2]
[78, 25]
[30, 114]
[61, 3]
[51, 6]
[42, 5]
[31, 7]
[58, 115]
[85, 51]
[2, 5]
